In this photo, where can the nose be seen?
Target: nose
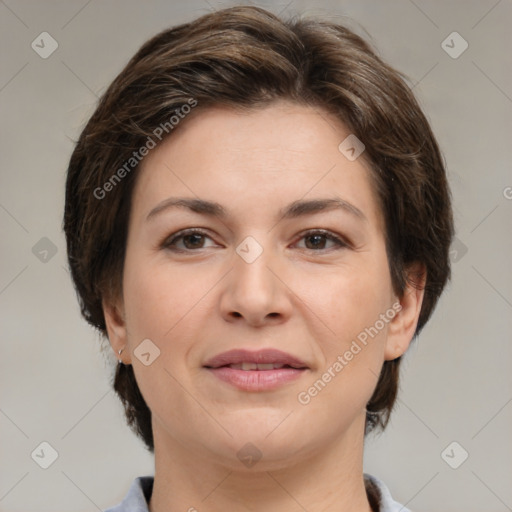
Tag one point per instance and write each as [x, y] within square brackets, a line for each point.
[255, 292]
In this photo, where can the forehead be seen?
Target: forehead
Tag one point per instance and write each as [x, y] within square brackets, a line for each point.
[255, 160]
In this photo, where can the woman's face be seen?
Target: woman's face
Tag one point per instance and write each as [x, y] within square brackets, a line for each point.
[251, 262]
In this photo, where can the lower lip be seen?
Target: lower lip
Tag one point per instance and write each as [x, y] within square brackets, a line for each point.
[257, 380]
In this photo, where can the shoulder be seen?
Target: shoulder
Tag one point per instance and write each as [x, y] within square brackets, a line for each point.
[380, 497]
[137, 498]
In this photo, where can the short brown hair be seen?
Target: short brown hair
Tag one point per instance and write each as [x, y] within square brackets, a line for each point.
[245, 57]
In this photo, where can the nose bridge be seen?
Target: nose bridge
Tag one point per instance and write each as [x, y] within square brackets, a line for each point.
[251, 273]
[254, 292]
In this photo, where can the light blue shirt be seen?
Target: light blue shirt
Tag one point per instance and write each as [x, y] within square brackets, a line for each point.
[140, 492]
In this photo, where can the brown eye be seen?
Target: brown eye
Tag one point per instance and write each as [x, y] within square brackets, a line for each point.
[193, 241]
[187, 241]
[317, 240]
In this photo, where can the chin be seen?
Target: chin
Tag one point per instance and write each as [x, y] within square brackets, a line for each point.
[257, 423]
[265, 442]
[246, 455]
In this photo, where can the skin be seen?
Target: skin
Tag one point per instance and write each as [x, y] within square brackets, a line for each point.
[303, 295]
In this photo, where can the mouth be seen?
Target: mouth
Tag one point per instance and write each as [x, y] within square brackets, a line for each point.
[247, 366]
[264, 370]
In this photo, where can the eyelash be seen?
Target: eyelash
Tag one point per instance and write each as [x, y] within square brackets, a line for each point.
[169, 241]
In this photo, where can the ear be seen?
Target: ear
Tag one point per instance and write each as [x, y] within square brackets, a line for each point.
[116, 329]
[403, 325]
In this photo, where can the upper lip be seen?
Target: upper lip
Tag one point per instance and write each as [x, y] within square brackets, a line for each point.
[264, 356]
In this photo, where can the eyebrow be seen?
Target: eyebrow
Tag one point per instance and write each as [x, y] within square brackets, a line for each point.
[295, 209]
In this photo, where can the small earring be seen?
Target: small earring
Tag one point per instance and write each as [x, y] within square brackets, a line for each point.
[119, 352]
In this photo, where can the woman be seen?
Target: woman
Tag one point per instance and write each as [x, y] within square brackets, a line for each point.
[258, 218]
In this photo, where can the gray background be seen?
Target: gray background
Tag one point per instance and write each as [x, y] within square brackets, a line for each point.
[54, 377]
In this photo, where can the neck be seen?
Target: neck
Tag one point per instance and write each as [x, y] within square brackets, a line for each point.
[331, 480]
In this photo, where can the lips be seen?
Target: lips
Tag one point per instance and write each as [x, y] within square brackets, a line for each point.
[260, 360]
[264, 370]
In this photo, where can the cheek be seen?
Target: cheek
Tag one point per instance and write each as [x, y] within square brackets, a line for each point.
[160, 297]
[148, 302]
[353, 351]
[348, 299]
[172, 307]
[159, 307]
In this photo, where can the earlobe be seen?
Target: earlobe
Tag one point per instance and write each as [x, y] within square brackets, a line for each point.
[116, 329]
[403, 326]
